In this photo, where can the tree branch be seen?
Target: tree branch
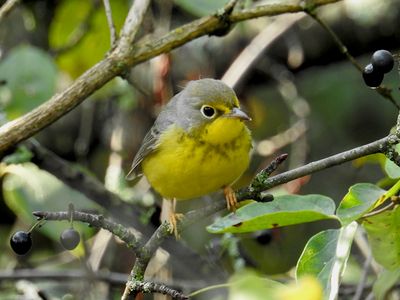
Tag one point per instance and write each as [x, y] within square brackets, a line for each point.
[112, 278]
[110, 21]
[143, 253]
[6, 8]
[124, 56]
[152, 287]
[97, 221]
[378, 146]
[131, 27]
[73, 177]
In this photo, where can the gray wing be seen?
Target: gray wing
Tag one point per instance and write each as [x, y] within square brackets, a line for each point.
[150, 141]
[149, 144]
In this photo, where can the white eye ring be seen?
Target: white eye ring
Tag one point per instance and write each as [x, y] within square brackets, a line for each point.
[208, 111]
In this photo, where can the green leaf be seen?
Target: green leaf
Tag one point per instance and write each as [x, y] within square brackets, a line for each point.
[30, 75]
[390, 168]
[201, 8]
[96, 42]
[283, 211]
[27, 188]
[384, 283]
[384, 237]
[325, 257]
[20, 155]
[360, 199]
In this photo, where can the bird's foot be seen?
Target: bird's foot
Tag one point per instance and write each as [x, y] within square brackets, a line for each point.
[174, 218]
[230, 197]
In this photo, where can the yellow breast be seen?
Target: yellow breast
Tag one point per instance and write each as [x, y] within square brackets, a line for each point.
[189, 165]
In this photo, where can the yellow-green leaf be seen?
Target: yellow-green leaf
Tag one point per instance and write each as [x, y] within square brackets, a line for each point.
[360, 199]
[282, 211]
[384, 237]
[325, 257]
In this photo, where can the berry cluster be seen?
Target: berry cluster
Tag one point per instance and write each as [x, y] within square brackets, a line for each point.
[381, 63]
[21, 241]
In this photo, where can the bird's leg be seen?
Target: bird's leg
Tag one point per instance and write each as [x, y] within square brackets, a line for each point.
[168, 214]
[230, 198]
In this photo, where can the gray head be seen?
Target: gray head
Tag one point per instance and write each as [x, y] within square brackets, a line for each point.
[203, 101]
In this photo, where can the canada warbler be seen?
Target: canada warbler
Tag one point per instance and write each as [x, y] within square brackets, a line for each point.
[197, 145]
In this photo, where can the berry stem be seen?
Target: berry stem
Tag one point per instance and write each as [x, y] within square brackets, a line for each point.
[37, 224]
[336, 39]
[381, 90]
[71, 212]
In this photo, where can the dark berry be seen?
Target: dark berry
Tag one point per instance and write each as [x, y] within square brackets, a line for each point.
[21, 242]
[372, 77]
[70, 238]
[383, 61]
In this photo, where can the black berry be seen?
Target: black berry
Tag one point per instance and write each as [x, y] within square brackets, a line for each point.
[21, 242]
[372, 77]
[383, 61]
[70, 238]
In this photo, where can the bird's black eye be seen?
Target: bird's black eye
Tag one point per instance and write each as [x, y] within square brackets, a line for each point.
[207, 111]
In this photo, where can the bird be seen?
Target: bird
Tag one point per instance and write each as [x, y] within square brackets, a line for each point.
[199, 144]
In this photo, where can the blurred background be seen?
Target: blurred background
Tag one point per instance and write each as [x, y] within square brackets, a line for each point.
[305, 97]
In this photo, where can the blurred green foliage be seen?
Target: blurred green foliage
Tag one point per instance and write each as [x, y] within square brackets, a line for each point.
[282, 211]
[30, 74]
[94, 44]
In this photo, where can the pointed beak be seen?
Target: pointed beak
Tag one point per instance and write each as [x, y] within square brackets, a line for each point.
[239, 114]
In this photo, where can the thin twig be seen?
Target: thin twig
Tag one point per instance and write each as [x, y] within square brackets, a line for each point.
[363, 280]
[110, 21]
[6, 8]
[256, 186]
[97, 221]
[343, 49]
[73, 176]
[113, 278]
[362, 244]
[61, 275]
[249, 55]
[381, 90]
[271, 145]
[143, 258]
[131, 26]
[379, 211]
[375, 147]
